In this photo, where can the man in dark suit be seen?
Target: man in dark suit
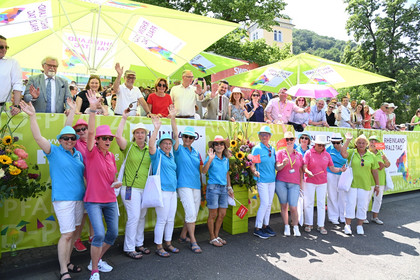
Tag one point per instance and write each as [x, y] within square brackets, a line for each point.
[48, 91]
[265, 98]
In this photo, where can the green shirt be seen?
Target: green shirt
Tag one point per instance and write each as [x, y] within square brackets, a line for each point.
[133, 160]
[381, 173]
[362, 175]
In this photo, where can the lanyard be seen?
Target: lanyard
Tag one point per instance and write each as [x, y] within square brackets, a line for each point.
[290, 159]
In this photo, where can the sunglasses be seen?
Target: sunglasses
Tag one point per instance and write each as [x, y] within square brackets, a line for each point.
[321, 145]
[114, 99]
[4, 47]
[218, 144]
[335, 143]
[362, 163]
[255, 95]
[80, 129]
[104, 138]
[330, 107]
[188, 137]
[386, 107]
[67, 138]
[269, 153]
[290, 139]
[304, 138]
[301, 99]
[161, 85]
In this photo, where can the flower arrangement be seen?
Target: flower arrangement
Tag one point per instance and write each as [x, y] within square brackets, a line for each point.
[16, 181]
[241, 161]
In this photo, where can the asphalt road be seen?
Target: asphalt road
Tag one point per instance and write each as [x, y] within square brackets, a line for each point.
[389, 251]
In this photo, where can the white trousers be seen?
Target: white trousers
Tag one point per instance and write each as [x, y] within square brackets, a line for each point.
[190, 199]
[165, 217]
[134, 228]
[266, 193]
[309, 191]
[336, 200]
[356, 198]
[377, 199]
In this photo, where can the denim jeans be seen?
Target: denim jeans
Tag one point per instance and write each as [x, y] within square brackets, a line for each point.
[216, 196]
[287, 193]
[110, 214]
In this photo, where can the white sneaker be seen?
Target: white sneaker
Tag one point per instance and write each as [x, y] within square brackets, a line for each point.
[366, 221]
[103, 266]
[360, 230]
[347, 229]
[94, 276]
[376, 220]
[296, 231]
[287, 230]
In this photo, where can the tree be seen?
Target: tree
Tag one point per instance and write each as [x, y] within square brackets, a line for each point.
[387, 37]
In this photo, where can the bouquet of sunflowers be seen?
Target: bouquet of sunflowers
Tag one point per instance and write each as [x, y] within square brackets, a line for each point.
[240, 161]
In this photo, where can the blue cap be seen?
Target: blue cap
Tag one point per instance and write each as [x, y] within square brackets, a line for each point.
[265, 129]
[67, 130]
[189, 130]
[166, 136]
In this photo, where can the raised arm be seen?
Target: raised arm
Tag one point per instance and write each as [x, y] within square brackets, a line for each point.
[117, 82]
[93, 102]
[172, 115]
[211, 155]
[152, 141]
[70, 117]
[122, 143]
[43, 143]
[344, 152]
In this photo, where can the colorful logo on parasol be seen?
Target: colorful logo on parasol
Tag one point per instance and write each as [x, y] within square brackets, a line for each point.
[260, 81]
[166, 55]
[401, 163]
[321, 81]
[10, 14]
[200, 67]
[70, 59]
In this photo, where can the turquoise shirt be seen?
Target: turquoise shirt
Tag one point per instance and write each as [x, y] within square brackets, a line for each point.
[167, 170]
[188, 167]
[337, 159]
[267, 167]
[299, 149]
[218, 170]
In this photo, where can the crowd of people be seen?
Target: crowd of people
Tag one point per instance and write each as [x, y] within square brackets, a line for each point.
[85, 178]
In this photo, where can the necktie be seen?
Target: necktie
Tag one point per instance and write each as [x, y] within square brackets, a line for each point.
[48, 109]
[220, 107]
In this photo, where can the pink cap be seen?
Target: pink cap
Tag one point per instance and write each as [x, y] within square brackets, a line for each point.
[80, 122]
[103, 130]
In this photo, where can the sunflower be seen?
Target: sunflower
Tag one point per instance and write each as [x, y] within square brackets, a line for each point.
[5, 159]
[7, 140]
[233, 143]
[240, 155]
[13, 170]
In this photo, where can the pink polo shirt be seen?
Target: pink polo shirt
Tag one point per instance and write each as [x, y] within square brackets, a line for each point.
[81, 146]
[101, 172]
[276, 108]
[381, 117]
[317, 164]
[284, 175]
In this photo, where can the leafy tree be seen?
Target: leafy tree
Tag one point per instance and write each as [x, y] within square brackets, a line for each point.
[387, 37]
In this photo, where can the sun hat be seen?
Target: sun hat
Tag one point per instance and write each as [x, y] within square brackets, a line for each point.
[139, 126]
[189, 130]
[288, 134]
[219, 138]
[103, 130]
[305, 134]
[363, 137]
[129, 72]
[265, 129]
[236, 90]
[166, 136]
[321, 139]
[80, 122]
[67, 130]
[385, 104]
[336, 137]
[373, 137]
[402, 125]
[392, 105]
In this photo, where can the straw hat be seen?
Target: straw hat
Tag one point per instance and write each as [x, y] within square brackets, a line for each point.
[219, 138]
[139, 126]
[336, 137]
[392, 106]
[373, 137]
[321, 139]
[288, 134]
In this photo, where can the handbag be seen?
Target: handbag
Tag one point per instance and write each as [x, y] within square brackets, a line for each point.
[389, 185]
[346, 178]
[152, 195]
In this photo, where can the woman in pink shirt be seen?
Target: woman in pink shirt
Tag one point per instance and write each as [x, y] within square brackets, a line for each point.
[315, 165]
[289, 181]
[100, 199]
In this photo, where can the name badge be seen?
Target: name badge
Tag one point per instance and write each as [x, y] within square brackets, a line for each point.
[291, 171]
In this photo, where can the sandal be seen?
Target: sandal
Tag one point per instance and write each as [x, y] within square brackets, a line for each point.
[216, 243]
[74, 269]
[134, 255]
[143, 250]
[162, 253]
[63, 274]
[184, 240]
[308, 228]
[195, 248]
[171, 249]
[322, 230]
[221, 240]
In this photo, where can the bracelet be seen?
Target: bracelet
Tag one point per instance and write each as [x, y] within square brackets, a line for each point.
[243, 110]
[376, 186]
[253, 111]
[229, 188]
[92, 111]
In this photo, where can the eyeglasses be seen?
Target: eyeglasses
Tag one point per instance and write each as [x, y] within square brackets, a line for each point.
[335, 143]
[4, 47]
[255, 95]
[80, 129]
[301, 99]
[362, 163]
[51, 65]
[104, 138]
[161, 85]
[304, 138]
[218, 144]
[290, 139]
[67, 138]
[188, 137]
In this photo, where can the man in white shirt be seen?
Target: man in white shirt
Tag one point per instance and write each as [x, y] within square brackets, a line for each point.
[343, 114]
[10, 77]
[185, 96]
[127, 94]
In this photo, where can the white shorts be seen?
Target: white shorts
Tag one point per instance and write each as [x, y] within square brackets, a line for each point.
[69, 214]
[190, 199]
